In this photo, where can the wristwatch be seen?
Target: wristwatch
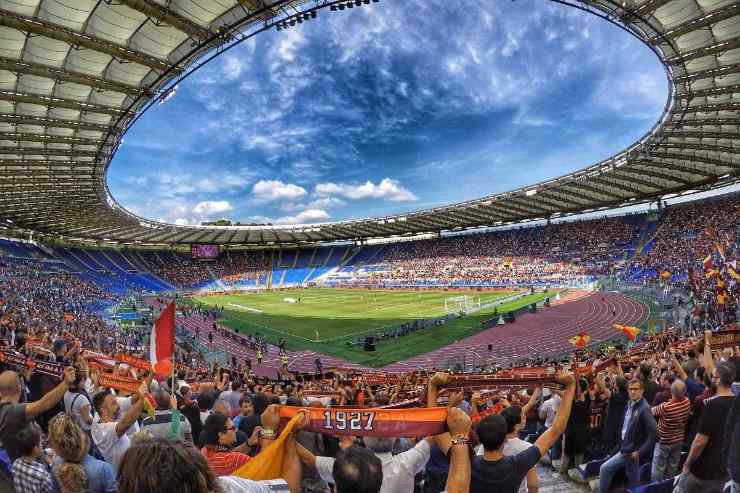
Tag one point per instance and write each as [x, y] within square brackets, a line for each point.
[460, 440]
[267, 434]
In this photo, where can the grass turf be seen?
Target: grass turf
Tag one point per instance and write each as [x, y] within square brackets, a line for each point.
[342, 315]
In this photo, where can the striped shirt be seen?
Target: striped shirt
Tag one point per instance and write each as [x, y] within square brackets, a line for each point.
[224, 463]
[673, 416]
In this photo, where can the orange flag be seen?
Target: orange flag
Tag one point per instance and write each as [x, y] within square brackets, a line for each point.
[580, 340]
[629, 331]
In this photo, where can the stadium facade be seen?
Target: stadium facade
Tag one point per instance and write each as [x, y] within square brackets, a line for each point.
[75, 79]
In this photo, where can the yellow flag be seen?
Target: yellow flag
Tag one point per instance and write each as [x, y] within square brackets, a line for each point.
[268, 463]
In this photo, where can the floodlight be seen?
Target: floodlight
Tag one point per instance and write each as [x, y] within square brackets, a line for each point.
[292, 22]
[358, 3]
[278, 27]
[333, 8]
[341, 6]
[314, 14]
[350, 5]
[300, 20]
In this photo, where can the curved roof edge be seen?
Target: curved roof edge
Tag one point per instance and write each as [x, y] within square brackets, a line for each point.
[54, 165]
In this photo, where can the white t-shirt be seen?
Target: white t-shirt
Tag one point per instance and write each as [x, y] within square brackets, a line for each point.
[549, 409]
[233, 484]
[398, 470]
[73, 404]
[109, 443]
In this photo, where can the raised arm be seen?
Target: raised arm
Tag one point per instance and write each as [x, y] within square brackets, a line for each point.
[433, 387]
[532, 400]
[458, 478]
[51, 399]
[549, 437]
[708, 359]
[133, 413]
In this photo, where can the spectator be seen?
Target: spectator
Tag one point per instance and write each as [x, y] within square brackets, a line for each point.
[159, 425]
[142, 466]
[636, 436]
[15, 416]
[72, 464]
[109, 432]
[706, 465]
[31, 473]
[672, 417]
[219, 436]
[576, 432]
[495, 472]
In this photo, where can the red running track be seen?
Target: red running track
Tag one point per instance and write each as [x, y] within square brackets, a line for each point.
[545, 333]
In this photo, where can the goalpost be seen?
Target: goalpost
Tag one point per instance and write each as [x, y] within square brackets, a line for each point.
[461, 304]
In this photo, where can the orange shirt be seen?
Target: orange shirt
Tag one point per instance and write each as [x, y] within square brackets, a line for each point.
[222, 462]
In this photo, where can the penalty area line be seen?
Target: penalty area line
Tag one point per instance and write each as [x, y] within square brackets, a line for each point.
[246, 308]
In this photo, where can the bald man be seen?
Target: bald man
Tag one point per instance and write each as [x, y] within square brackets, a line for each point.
[14, 416]
[672, 417]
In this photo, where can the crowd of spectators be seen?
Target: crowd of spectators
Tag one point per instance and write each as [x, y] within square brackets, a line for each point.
[550, 253]
[665, 407]
[185, 272]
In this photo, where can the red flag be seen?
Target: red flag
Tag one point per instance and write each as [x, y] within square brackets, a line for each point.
[162, 340]
[708, 264]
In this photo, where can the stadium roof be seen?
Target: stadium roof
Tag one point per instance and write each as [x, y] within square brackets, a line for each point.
[75, 75]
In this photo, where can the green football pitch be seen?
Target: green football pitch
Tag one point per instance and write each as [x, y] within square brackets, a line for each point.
[325, 320]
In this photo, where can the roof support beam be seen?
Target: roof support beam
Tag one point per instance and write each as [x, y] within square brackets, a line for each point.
[645, 163]
[697, 159]
[712, 49]
[166, 16]
[647, 8]
[711, 108]
[708, 73]
[630, 179]
[700, 122]
[656, 174]
[712, 91]
[519, 212]
[39, 70]
[596, 191]
[51, 102]
[699, 147]
[572, 193]
[552, 199]
[55, 122]
[73, 38]
[612, 183]
[709, 19]
[45, 151]
[688, 134]
[53, 139]
[527, 205]
[44, 163]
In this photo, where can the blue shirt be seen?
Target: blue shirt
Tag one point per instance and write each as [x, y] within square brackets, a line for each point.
[627, 414]
[101, 477]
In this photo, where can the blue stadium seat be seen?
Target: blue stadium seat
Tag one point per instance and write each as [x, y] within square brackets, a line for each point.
[5, 462]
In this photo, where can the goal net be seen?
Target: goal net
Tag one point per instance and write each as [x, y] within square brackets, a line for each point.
[461, 304]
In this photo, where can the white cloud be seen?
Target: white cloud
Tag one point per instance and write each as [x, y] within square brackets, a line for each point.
[307, 216]
[233, 67]
[211, 207]
[268, 190]
[388, 189]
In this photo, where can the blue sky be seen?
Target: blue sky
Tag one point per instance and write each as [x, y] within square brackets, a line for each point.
[388, 108]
